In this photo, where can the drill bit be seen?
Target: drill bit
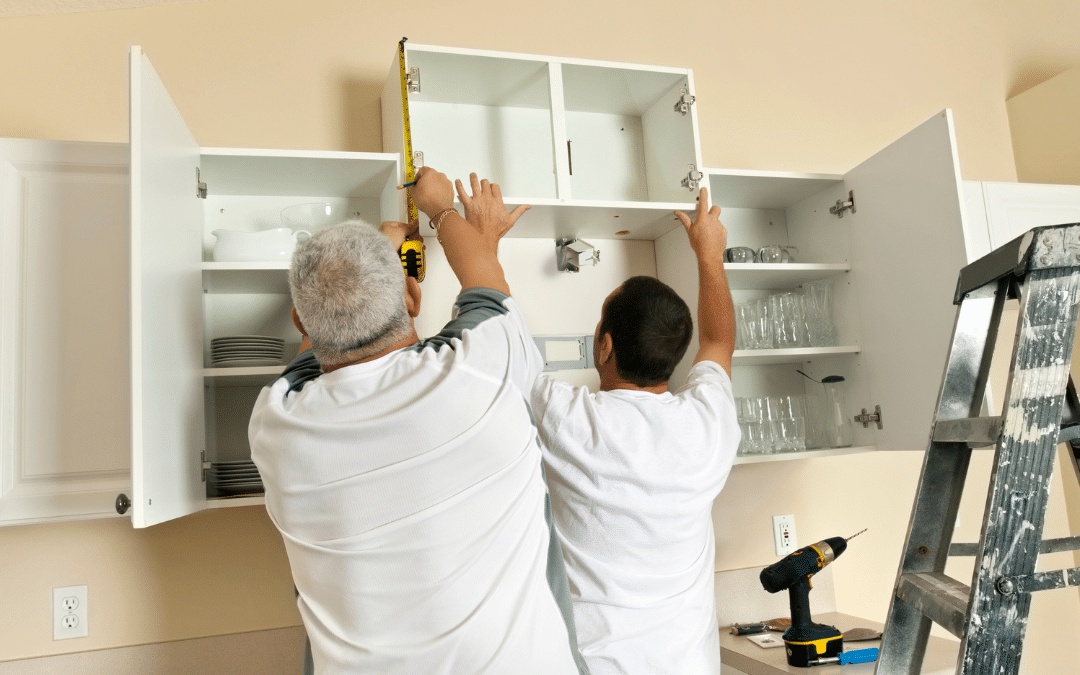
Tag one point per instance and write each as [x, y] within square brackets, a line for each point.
[857, 534]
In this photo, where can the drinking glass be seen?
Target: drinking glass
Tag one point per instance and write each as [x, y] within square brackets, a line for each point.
[817, 306]
[788, 322]
[759, 334]
[739, 254]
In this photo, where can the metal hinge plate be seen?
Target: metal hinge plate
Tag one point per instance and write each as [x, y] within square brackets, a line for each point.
[841, 205]
[200, 187]
[565, 353]
[866, 418]
[205, 466]
[692, 178]
[684, 102]
[412, 80]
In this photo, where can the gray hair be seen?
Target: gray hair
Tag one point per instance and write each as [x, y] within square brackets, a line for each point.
[348, 288]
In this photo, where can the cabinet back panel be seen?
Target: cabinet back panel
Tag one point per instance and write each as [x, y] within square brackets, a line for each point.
[280, 173]
[607, 157]
[228, 314]
[479, 80]
[509, 146]
[256, 213]
[616, 91]
[228, 413]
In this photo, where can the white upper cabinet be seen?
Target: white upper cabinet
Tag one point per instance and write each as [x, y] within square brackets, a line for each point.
[893, 259]
[96, 237]
[598, 149]
[1011, 209]
[64, 360]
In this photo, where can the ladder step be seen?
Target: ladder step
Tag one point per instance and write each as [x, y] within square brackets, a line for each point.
[1045, 546]
[979, 432]
[942, 599]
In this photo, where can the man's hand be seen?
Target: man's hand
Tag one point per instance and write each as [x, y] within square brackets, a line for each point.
[486, 212]
[433, 192]
[398, 233]
[708, 236]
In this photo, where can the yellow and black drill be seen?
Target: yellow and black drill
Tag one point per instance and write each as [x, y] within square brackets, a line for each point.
[806, 641]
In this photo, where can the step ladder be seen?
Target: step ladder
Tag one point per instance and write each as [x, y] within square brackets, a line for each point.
[1042, 270]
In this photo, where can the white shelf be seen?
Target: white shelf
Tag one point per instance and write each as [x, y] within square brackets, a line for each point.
[766, 357]
[227, 502]
[246, 277]
[780, 275]
[749, 189]
[808, 454]
[244, 376]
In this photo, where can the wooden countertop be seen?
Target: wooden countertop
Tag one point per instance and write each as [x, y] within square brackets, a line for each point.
[736, 651]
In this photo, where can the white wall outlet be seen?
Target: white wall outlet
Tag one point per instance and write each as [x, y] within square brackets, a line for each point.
[783, 528]
[69, 613]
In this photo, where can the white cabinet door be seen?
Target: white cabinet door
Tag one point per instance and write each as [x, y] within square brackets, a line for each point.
[166, 306]
[1014, 208]
[64, 368]
[907, 249]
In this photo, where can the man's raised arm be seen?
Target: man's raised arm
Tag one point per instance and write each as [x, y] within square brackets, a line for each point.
[471, 243]
[716, 313]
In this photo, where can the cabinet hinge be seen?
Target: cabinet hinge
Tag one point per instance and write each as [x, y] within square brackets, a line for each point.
[684, 102]
[866, 418]
[418, 160]
[205, 466]
[412, 80]
[200, 187]
[571, 254]
[692, 178]
[841, 205]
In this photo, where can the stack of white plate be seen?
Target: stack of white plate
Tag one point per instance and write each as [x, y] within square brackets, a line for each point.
[230, 479]
[246, 350]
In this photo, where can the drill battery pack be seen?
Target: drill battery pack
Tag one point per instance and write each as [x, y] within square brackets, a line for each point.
[825, 642]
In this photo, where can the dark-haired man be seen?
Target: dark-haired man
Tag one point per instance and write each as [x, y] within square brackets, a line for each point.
[633, 470]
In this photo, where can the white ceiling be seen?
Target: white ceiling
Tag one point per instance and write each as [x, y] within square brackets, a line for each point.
[29, 7]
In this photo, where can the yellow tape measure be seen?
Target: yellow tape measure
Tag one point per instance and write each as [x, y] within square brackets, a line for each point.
[412, 252]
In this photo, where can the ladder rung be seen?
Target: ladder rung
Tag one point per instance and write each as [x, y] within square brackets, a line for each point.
[979, 432]
[975, 431]
[1046, 546]
[940, 598]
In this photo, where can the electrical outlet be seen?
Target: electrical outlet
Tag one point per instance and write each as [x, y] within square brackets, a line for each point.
[784, 534]
[69, 613]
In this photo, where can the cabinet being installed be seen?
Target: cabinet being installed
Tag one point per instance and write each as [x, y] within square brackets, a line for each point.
[599, 149]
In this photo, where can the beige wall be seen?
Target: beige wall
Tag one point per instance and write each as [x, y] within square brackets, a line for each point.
[781, 85]
[1045, 130]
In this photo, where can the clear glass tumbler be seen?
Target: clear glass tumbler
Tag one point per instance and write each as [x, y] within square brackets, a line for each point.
[818, 310]
[788, 322]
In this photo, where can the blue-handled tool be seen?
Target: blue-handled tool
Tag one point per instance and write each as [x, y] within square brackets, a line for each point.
[843, 658]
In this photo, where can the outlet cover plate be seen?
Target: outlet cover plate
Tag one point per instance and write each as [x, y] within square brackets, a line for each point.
[69, 613]
[784, 534]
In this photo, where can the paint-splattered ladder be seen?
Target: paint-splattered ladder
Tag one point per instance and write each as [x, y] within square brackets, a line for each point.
[1042, 270]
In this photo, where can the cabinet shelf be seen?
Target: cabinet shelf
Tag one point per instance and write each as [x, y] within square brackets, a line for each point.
[245, 277]
[808, 454]
[767, 357]
[745, 276]
[243, 376]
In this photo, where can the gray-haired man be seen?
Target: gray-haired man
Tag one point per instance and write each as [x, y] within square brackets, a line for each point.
[404, 475]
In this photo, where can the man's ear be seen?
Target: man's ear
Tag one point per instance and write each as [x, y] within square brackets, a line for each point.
[603, 349]
[296, 322]
[412, 296]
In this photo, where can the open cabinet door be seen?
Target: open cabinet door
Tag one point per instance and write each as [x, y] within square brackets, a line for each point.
[907, 250]
[166, 306]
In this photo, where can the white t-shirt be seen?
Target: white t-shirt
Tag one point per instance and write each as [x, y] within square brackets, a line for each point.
[633, 476]
[409, 495]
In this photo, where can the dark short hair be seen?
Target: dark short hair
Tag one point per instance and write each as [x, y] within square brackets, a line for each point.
[650, 328]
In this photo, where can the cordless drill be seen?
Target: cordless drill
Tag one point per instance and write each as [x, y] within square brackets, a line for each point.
[806, 641]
